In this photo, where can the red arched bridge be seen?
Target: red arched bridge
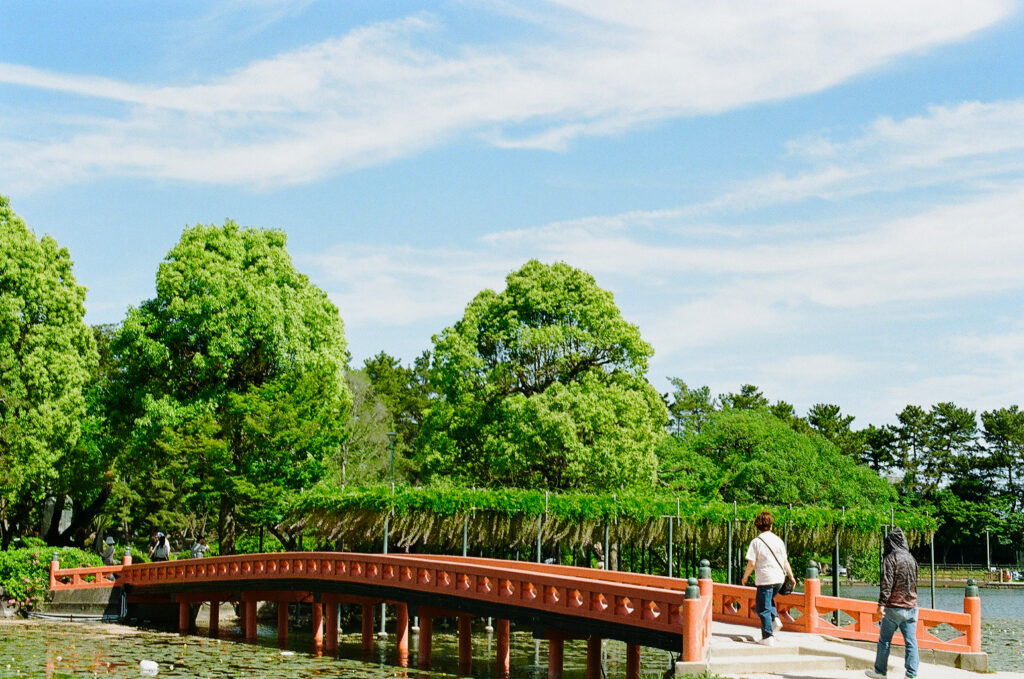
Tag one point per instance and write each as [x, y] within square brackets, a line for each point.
[557, 602]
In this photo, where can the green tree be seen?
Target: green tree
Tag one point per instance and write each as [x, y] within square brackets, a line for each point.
[46, 355]
[912, 434]
[405, 391]
[879, 447]
[690, 408]
[952, 444]
[748, 397]
[761, 459]
[231, 390]
[86, 476]
[787, 413]
[543, 385]
[1003, 430]
[364, 456]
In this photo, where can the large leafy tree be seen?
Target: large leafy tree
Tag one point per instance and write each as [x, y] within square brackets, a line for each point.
[912, 432]
[231, 394]
[1004, 434]
[405, 391]
[952, 445]
[363, 456]
[757, 457]
[690, 407]
[47, 354]
[542, 385]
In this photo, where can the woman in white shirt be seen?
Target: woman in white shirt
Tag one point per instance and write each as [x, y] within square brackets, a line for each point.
[767, 559]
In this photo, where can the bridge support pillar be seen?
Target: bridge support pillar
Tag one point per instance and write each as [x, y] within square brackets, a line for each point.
[402, 633]
[502, 664]
[183, 617]
[594, 658]
[632, 661]
[465, 644]
[282, 623]
[250, 619]
[556, 654]
[214, 617]
[318, 627]
[332, 627]
[367, 629]
[426, 632]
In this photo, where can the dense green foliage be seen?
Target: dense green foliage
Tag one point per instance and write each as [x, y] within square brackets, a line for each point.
[752, 456]
[542, 385]
[231, 394]
[46, 355]
[25, 572]
[405, 392]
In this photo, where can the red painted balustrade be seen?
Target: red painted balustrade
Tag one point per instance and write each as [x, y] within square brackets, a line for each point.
[636, 600]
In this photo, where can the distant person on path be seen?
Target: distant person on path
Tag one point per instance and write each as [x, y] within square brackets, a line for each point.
[767, 559]
[161, 550]
[200, 548]
[897, 605]
[108, 552]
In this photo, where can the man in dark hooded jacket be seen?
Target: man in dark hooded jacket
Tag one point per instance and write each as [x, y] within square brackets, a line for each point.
[897, 604]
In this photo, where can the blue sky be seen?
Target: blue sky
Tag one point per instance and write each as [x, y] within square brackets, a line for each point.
[823, 199]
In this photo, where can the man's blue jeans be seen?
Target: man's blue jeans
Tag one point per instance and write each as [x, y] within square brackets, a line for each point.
[765, 604]
[904, 620]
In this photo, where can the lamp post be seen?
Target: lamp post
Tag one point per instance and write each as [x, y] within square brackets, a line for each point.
[391, 437]
[383, 607]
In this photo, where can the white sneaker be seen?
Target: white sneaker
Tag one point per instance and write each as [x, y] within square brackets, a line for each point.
[777, 624]
[874, 675]
[767, 641]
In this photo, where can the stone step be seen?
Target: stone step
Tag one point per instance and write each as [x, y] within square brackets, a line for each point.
[743, 650]
[776, 664]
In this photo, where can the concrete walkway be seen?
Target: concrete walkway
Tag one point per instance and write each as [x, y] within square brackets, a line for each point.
[734, 653]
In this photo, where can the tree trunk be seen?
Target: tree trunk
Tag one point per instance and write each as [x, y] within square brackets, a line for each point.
[80, 520]
[226, 526]
[286, 540]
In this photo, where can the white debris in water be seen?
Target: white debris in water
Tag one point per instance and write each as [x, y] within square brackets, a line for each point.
[287, 653]
[148, 668]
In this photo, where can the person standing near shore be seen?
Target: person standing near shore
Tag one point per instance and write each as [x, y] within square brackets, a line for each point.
[767, 559]
[161, 551]
[897, 605]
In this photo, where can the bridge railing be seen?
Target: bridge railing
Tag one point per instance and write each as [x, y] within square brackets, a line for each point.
[658, 604]
[810, 611]
[665, 604]
[83, 578]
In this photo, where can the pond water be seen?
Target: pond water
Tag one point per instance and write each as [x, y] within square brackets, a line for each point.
[55, 650]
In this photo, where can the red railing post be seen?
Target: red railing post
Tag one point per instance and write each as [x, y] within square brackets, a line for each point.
[126, 560]
[54, 566]
[693, 647]
[812, 590]
[705, 582]
[972, 607]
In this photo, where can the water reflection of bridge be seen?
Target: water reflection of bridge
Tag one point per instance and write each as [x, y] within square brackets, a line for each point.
[557, 602]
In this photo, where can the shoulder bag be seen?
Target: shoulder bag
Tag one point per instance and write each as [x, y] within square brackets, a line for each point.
[788, 582]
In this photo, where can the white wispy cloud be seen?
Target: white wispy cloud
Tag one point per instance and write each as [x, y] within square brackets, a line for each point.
[379, 92]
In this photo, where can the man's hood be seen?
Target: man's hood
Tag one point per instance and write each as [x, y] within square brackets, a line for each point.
[896, 540]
